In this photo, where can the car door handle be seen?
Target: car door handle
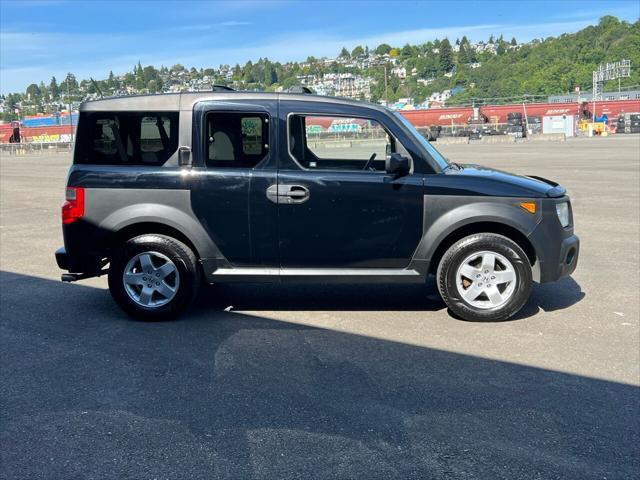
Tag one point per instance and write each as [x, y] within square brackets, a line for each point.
[288, 194]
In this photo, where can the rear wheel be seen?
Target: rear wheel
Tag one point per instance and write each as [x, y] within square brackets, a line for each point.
[153, 277]
[485, 277]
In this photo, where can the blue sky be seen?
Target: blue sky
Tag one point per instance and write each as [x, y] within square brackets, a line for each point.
[40, 38]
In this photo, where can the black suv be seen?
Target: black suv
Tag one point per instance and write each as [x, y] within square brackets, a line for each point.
[168, 190]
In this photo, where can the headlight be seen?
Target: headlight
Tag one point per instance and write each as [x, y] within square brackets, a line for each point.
[563, 213]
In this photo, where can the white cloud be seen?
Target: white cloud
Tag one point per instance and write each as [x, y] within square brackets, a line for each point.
[212, 26]
[234, 23]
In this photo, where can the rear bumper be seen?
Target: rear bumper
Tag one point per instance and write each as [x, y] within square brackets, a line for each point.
[77, 264]
[63, 259]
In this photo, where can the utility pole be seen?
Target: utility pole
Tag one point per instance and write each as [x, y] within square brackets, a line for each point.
[526, 119]
[386, 95]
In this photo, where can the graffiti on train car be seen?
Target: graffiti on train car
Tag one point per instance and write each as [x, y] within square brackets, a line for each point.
[50, 138]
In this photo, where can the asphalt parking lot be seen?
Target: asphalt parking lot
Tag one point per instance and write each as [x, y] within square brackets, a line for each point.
[311, 381]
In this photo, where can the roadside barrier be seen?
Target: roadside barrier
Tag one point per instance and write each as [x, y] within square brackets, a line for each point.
[43, 148]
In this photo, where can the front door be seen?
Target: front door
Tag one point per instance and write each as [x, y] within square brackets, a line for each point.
[235, 164]
[337, 207]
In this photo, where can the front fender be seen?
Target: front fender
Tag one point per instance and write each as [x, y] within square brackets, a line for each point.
[445, 214]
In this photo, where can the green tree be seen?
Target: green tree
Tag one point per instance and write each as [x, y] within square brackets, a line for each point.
[138, 72]
[44, 93]
[11, 103]
[407, 51]
[270, 75]
[70, 85]
[464, 54]
[112, 83]
[344, 53]
[33, 92]
[445, 56]
[357, 51]
[513, 41]
[54, 89]
[383, 49]
[149, 73]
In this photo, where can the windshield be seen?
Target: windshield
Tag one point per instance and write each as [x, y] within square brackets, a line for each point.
[435, 154]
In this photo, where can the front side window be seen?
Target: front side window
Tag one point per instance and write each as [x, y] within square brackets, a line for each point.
[236, 140]
[435, 154]
[340, 143]
[126, 138]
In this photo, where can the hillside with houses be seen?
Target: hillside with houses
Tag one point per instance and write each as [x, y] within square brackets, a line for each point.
[430, 75]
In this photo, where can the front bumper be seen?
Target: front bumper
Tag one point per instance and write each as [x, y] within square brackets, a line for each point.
[566, 262]
[557, 248]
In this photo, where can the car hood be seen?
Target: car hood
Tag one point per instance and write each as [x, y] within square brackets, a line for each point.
[501, 183]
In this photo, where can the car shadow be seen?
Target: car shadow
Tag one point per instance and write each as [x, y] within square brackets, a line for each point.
[88, 393]
[368, 297]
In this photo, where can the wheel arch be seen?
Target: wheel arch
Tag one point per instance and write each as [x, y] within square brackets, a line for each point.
[149, 227]
[471, 228]
[141, 219]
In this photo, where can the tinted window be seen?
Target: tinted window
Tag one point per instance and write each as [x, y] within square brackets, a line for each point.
[236, 140]
[339, 143]
[126, 138]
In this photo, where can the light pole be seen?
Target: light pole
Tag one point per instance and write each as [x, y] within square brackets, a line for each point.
[69, 100]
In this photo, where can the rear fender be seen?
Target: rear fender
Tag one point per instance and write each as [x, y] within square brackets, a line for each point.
[115, 209]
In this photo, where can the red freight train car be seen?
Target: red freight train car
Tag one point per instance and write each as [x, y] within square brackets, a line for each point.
[438, 116]
[498, 113]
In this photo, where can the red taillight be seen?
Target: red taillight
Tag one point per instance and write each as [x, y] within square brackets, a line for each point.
[73, 207]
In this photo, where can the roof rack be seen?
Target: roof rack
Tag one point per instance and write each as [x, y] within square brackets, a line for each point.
[301, 89]
[222, 88]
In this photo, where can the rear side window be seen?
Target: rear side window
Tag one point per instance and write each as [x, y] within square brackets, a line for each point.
[126, 138]
[236, 140]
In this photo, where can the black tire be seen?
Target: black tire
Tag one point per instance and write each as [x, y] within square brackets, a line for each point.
[182, 257]
[462, 249]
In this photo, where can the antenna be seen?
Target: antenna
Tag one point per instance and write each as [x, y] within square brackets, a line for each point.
[95, 84]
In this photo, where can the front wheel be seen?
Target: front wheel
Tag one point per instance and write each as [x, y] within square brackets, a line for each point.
[153, 277]
[485, 277]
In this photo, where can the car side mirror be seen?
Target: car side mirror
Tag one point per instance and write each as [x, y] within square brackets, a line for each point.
[398, 165]
[184, 157]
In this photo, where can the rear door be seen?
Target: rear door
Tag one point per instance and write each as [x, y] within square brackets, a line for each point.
[337, 207]
[235, 164]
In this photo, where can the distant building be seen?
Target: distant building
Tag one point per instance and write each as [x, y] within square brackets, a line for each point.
[588, 97]
[399, 72]
[426, 81]
[439, 97]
